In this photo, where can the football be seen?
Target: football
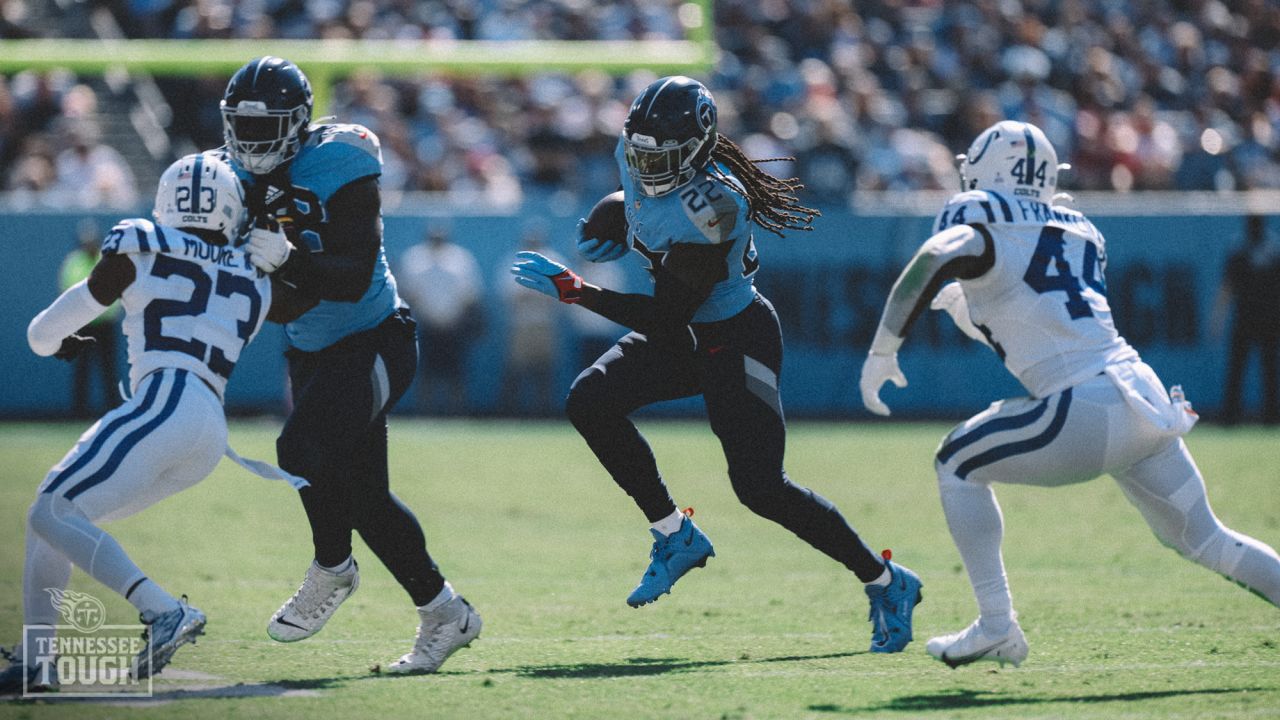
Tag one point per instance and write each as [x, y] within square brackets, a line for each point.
[607, 221]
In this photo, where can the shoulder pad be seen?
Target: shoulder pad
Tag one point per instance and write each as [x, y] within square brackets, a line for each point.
[356, 136]
[135, 236]
[711, 207]
[980, 206]
[335, 155]
[1093, 229]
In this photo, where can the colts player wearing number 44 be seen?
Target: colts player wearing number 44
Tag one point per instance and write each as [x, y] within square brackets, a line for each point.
[192, 302]
[1031, 287]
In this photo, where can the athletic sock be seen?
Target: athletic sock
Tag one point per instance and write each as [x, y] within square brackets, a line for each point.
[670, 524]
[150, 599]
[444, 596]
[977, 527]
[339, 568]
[885, 578]
[997, 624]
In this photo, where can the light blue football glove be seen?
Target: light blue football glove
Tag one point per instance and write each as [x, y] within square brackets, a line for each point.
[536, 271]
[596, 250]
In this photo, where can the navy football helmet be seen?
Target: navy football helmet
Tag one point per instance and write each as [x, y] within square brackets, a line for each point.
[265, 111]
[669, 134]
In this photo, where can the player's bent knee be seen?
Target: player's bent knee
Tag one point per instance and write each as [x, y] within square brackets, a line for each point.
[587, 399]
[947, 479]
[764, 496]
[46, 515]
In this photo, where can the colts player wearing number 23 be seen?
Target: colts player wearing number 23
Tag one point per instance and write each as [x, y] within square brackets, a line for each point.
[693, 201]
[1031, 287]
[192, 302]
[350, 358]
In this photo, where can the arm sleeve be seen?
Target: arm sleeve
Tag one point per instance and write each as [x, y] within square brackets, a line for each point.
[681, 285]
[960, 252]
[287, 303]
[73, 309]
[351, 238]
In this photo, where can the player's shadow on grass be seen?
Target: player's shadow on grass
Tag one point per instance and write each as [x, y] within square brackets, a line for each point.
[642, 666]
[962, 699]
[268, 689]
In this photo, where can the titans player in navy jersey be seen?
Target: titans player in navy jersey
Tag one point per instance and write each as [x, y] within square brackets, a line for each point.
[693, 201]
[350, 358]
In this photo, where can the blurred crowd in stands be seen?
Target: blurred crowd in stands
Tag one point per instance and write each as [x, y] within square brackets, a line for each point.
[872, 95]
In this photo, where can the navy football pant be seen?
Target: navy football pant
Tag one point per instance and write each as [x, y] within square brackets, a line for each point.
[336, 438]
[735, 369]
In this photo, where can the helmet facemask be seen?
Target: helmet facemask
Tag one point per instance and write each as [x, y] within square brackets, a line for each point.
[260, 139]
[659, 170]
[669, 134]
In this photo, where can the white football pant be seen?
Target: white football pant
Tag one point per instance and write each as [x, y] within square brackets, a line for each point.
[166, 438]
[1100, 426]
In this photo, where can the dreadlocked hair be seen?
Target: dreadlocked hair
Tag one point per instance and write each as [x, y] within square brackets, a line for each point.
[772, 202]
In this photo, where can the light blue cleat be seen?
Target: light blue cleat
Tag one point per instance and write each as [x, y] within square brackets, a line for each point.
[891, 609]
[671, 557]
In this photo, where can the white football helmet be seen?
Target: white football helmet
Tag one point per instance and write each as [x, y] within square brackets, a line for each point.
[1012, 157]
[202, 191]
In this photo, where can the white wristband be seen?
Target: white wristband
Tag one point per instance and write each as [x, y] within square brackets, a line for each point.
[73, 309]
[885, 342]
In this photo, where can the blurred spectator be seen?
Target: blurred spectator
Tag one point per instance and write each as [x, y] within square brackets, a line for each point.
[13, 18]
[1251, 285]
[533, 340]
[440, 280]
[33, 174]
[76, 266]
[874, 95]
[90, 174]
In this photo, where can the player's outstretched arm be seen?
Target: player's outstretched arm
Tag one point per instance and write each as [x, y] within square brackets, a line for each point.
[682, 285]
[352, 237]
[52, 332]
[962, 251]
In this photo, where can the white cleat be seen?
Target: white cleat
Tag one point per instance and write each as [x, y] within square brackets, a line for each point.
[441, 633]
[973, 644]
[304, 614]
[164, 635]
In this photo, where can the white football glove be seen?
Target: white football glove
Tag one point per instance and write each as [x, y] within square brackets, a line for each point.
[268, 249]
[876, 370]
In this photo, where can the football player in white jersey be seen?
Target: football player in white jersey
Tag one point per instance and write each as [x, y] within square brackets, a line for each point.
[192, 301]
[1031, 287]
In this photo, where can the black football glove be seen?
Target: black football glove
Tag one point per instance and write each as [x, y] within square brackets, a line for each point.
[73, 345]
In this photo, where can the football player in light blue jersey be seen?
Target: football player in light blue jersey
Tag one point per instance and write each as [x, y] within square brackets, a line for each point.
[351, 357]
[692, 202]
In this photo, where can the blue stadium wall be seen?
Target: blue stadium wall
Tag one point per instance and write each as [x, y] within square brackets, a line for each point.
[827, 286]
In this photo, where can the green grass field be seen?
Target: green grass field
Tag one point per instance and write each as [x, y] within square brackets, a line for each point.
[528, 527]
